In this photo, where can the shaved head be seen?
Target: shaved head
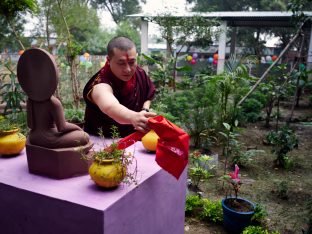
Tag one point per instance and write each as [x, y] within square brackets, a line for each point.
[121, 43]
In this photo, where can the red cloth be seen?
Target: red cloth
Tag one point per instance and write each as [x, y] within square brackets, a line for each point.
[172, 147]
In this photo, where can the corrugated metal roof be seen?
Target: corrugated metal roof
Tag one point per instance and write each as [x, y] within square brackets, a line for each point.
[237, 18]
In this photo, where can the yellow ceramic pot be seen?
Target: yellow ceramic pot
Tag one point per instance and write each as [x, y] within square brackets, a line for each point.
[11, 142]
[107, 173]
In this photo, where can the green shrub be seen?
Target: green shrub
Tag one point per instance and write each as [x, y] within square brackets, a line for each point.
[74, 115]
[283, 141]
[282, 190]
[199, 168]
[260, 97]
[193, 203]
[203, 208]
[252, 109]
[260, 214]
[195, 110]
[257, 230]
[212, 211]
[244, 158]
[10, 89]
[198, 174]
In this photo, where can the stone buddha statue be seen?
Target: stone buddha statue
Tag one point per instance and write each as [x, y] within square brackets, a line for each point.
[50, 136]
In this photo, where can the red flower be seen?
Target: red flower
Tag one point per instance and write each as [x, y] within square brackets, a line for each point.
[234, 175]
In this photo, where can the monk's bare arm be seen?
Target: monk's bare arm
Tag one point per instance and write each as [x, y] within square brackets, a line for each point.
[102, 95]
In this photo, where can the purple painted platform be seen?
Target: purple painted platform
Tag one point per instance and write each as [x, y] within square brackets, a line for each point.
[35, 204]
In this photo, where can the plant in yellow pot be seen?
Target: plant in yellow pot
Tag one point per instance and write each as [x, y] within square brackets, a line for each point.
[12, 142]
[110, 165]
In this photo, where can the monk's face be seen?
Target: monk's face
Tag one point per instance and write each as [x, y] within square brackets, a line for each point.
[123, 63]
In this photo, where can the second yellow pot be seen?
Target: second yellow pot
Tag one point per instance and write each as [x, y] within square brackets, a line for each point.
[11, 142]
[107, 173]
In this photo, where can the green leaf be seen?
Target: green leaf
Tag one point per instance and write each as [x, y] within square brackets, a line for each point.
[223, 134]
[150, 59]
[227, 126]
[185, 68]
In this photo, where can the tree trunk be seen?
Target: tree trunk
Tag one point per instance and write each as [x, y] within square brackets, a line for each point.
[71, 60]
[174, 75]
[74, 81]
[278, 113]
[299, 93]
[268, 112]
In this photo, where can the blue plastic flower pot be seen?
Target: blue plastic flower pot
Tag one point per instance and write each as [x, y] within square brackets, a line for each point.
[234, 221]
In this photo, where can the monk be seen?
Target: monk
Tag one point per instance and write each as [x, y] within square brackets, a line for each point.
[119, 94]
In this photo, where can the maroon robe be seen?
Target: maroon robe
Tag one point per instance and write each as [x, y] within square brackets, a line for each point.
[132, 94]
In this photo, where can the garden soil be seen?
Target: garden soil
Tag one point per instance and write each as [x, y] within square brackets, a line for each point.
[283, 193]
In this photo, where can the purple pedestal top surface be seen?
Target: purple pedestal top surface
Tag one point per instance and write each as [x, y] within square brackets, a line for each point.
[155, 205]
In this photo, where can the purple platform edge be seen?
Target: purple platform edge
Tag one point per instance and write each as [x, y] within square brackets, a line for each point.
[36, 204]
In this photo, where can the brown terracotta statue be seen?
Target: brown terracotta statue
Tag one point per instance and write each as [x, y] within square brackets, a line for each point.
[50, 135]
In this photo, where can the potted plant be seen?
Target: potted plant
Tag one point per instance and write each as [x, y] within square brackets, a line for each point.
[12, 142]
[237, 211]
[75, 116]
[110, 165]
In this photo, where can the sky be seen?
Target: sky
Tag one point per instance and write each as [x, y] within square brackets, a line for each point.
[158, 6]
[150, 6]
[168, 5]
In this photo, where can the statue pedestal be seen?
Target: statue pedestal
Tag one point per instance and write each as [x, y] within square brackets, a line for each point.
[57, 163]
[34, 204]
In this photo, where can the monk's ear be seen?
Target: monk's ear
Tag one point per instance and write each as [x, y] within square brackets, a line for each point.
[107, 60]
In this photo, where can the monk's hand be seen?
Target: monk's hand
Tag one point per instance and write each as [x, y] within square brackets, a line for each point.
[141, 119]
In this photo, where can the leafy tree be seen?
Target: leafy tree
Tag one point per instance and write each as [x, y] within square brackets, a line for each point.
[119, 9]
[68, 29]
[275, 89]
[125, 29]
[7, 37]
[98, 42]
[230, 87]
[297, 7]
[179, 32]
[11, 11]
[45, 27]
[250, 37]
[81, 20]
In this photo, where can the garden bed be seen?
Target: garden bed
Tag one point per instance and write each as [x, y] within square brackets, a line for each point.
[283, 193]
